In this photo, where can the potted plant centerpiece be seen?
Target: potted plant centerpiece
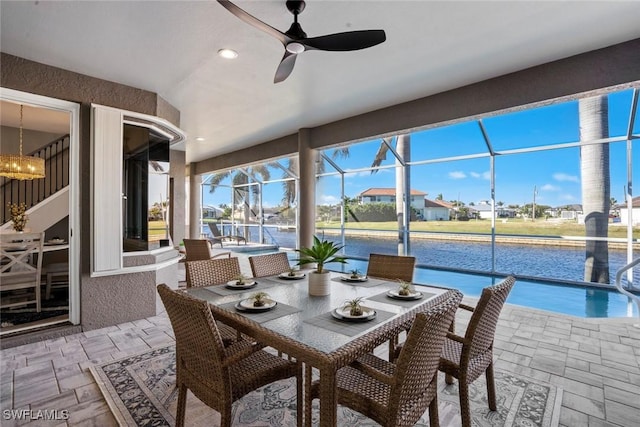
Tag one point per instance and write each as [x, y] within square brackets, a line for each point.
[404, 288]
[322, 252]
[354, 306]
[259, 299]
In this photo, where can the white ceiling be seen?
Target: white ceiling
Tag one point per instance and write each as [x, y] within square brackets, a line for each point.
[169, 47]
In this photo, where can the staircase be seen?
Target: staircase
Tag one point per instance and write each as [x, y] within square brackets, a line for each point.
[47, 199]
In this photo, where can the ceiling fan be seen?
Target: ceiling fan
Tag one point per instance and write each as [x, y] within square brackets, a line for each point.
[295, 40]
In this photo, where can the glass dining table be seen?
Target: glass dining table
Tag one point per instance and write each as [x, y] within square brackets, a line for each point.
[313, 329]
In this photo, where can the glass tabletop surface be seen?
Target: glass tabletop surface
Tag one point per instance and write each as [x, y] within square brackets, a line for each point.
[313, 325]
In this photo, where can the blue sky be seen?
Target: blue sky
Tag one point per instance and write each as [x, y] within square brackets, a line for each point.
[554, 174]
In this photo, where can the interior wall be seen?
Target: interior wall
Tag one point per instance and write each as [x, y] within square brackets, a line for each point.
[31, 139]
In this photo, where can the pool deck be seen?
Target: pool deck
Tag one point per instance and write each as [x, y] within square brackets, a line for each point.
[596, 362]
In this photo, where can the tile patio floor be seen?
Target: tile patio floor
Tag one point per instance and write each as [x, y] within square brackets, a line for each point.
[595, 361]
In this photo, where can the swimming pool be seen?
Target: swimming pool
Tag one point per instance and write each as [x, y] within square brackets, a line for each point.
[574, 300]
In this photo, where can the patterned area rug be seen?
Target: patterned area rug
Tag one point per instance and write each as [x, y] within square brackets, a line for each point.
[140, 391]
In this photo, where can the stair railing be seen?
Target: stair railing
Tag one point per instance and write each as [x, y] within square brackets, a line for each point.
[56, 155]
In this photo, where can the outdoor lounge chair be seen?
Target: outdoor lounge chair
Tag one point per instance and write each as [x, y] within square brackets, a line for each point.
[200, 249]
[215, 374]
[219, 237]
[397, 394]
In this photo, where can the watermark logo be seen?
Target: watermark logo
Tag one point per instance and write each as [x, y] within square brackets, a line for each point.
[32, 415]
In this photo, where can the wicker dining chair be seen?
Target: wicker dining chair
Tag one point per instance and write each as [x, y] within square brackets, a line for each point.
[393, 267]
[215, 374]
[200, 249]
[269, 265]
[398, 394]
[215, 272]
[467, 358]
[211, 272]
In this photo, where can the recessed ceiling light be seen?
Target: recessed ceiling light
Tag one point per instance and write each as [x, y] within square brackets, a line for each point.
[228, 53]
[200, 139]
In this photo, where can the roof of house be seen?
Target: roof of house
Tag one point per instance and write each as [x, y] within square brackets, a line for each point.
[635, 203]
[388, 192]
[437, 204]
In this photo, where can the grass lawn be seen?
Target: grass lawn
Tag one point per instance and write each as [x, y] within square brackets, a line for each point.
[156, 230]
[512, 226]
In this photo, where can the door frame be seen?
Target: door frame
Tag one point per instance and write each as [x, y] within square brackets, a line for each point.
[74, 184]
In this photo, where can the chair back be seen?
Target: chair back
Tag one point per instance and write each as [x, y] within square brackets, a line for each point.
[17, 251]
[484, 320]
[269, 265]
[197, 249]
[215, 232]
[199, 347]
[417, 364]
[211, 271]
[391, 267]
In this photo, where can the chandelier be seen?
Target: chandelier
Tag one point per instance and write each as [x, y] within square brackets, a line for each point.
[21, 167]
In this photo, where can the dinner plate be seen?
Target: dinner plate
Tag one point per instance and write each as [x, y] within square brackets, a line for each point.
[233, 284]
[353, 279]
[286, 276]
[247, 305]
[343, 314]
[56, 241]
[412, 295]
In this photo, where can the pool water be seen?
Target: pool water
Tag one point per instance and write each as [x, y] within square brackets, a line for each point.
[574, 300]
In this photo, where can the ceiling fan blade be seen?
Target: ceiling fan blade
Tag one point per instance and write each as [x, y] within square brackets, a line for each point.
[286, 66]
[351, 40]
[255, 22]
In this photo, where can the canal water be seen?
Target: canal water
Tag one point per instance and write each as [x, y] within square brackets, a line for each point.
[552, 262]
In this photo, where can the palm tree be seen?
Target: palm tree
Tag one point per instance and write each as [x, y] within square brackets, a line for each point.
[289, 186]
[596, 197]
[242, 193]
[403, 180]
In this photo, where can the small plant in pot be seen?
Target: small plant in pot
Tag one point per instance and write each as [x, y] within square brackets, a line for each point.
[292, 272]
[240, 279]
[322, 252]
[404, 288]
[354, 306]
[260, 299]
[355, 274]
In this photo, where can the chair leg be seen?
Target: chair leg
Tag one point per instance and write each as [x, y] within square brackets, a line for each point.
[38, 297]
[448, 379]
[225, 418]
[307, 393]
[393, 342]
[182, 405]
[491, 388]
[299, 399]
[465, 408]
[434, 419]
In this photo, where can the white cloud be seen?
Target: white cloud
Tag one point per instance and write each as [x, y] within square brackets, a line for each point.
[328, 199]
[559, 176]
[568, 198]
[457, 175]
[549, 187]
[483, 175]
